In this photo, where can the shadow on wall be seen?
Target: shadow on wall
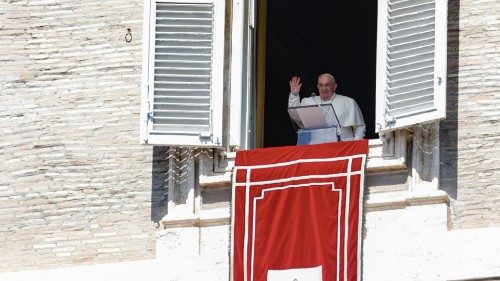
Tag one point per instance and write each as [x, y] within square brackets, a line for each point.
[173, 176]
[448, 135]
[159, 183]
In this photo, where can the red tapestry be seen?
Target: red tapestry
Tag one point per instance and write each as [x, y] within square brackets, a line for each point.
[297, 212]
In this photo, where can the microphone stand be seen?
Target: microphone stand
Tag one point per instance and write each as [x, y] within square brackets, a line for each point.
[313, 95]
[338, 122]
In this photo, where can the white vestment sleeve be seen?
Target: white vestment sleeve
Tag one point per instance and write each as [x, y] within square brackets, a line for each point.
[360, 127]
[359, 132]
[293, 100]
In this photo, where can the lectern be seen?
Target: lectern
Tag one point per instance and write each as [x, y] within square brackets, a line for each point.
[312, 125]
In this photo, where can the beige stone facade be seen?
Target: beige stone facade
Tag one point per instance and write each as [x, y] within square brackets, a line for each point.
[77, 188]
[470, 167]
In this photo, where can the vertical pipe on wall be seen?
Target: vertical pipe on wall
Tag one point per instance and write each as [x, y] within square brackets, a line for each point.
[237, 91]
[260, 71]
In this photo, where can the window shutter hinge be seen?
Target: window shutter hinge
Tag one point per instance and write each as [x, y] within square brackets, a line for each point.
[389, 119]
[205, 135]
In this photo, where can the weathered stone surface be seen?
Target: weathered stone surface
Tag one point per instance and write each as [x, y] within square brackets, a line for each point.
[75, 185]
[77, 188]
[470, 136]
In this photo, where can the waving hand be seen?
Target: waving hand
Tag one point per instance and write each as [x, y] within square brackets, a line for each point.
[295, 85]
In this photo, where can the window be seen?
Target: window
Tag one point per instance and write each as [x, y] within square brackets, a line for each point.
[336, 37]
[411, 62]
[393, 63]
[183, 52]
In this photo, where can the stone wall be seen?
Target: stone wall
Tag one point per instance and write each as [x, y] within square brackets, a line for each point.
[470, 136]
[77, 188]
[75, 185]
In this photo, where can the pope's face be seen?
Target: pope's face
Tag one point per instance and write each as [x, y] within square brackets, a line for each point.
[326, 87]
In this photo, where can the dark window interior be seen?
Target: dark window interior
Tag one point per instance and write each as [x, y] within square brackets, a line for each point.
[308, 38]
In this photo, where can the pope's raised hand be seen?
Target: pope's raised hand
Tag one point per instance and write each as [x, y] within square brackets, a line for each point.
[295, 85]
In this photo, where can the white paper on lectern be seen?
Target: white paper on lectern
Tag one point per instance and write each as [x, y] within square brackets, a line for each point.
[309, 116]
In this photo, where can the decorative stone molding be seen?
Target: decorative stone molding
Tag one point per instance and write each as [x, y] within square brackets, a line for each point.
[387, 155]
[400, 200]
[202, 219]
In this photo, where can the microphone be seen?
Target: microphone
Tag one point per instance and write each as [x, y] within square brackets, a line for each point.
[313, 95]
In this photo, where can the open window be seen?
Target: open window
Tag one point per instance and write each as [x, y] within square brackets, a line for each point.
[389, 55]
[336, 37]
[390, 59]
[182, 93]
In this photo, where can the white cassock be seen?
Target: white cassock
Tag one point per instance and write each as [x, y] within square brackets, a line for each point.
[347, 111]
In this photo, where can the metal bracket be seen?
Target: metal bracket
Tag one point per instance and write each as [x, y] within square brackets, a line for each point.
[389, 119]
[385, 137]
[205, 135]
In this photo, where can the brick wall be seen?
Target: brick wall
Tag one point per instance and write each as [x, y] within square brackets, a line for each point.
[75, 185]
[470, 137]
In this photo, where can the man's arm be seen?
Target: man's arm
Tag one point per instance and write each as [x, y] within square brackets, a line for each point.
[359, 132]
[294, 98]
[295, 85]
[360, 127]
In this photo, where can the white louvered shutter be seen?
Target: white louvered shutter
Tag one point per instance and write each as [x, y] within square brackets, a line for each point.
[411, 62]
[185, 72]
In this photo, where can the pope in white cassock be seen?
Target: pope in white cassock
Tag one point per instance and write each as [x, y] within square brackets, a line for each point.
[348, 113]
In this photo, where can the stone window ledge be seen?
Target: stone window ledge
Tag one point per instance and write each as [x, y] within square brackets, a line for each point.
[375, 202]
[403, 199]
[387, 154]
[204, 218]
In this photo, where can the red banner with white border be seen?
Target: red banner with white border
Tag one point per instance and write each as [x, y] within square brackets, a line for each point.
[296, 212]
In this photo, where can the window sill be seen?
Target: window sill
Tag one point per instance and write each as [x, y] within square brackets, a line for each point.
[376, 202]
[204, 218]
[401, 200]
[388, 155]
